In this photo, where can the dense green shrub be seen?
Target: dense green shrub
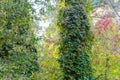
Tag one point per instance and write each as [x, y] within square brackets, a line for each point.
[17, 40]
[76, 41]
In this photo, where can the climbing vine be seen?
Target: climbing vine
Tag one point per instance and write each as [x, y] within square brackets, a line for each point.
[76, 41]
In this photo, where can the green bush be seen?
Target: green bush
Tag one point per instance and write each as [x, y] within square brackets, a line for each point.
[76, 41]
[18, 53]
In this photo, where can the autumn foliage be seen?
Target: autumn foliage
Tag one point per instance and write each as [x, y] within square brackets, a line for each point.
[104, 23]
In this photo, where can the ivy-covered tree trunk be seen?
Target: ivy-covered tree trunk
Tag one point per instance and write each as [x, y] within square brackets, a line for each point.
[17, 41]
[76, 41]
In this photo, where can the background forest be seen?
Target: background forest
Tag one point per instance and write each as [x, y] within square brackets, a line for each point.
[39, 40]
